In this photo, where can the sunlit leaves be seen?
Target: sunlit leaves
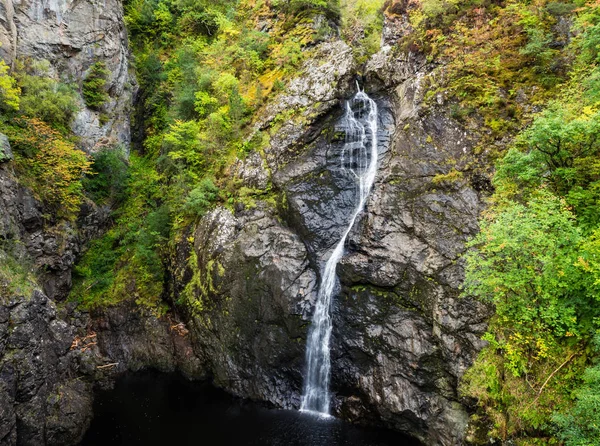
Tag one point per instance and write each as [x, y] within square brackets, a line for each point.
[9, 90]
[525, 264]
[49, 165]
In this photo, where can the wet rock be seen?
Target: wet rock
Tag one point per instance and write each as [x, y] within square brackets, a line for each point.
[249, 330]
[69, 412]
[402, 336]
[133, 340]
[325, 78]
[36, 406]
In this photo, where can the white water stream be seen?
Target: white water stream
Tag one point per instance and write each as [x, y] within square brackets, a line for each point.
[359, 157]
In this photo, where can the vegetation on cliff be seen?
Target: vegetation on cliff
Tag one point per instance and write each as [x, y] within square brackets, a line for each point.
[205, 71]
[522, 76]
[536, 258]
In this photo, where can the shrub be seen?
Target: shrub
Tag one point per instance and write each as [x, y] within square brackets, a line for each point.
[9, 90]
[47, 99]
[201, 198]
[94, 86]
[107, 180]
[126, 262]
[49, 165]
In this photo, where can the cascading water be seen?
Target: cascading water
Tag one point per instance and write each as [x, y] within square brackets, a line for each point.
[359, 158]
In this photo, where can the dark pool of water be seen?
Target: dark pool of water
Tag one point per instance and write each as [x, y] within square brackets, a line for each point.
[155, 409]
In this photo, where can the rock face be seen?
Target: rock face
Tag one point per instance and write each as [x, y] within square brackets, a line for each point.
[51, 354]
[5, 150]
[50, 250]
[42, 399]
[252, 281]
[51, 359]
[72, 36]
[402, 336]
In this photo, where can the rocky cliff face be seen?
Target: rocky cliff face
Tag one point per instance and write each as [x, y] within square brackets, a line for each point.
[51, 354]
[402, 336]
[72, 36]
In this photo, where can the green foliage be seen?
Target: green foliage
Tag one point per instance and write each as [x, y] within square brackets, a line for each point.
[48, 164]
[45, 98]
[526, 264]
[9, 90]
[328, 7]
[559, 149]
[126, 263]
[16, 277]
[94, 86]
[195, 295]
[537, 261]
[581, 425]
[362, 22]
[204, 70]
[201, 198]
[500, 60]
[107, 180]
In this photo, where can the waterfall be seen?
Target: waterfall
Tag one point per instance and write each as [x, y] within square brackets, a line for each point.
[358, 158]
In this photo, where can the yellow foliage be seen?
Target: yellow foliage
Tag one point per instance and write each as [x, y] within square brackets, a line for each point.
[50, 165]
[9, 90]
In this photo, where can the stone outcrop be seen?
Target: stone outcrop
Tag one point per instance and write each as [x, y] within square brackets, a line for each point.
[72, 36]
[42, 398]
[51, 250]
[402, 335]
[51, 357]
[51, 354]
[6, 154]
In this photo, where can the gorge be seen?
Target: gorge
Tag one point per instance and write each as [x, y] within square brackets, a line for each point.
[203, 188]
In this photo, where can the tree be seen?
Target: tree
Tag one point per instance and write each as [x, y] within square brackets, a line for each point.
[94, 86]
[524, 261]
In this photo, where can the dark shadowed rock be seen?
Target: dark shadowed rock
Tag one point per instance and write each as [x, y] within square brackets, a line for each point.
[402, 336]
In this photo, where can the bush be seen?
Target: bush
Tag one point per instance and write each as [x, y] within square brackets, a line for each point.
[47, 99]
[49, 165]
[94, 86]
[107, 180]
[201, 198]
[9, 90]
[328, 7]
[127, 263]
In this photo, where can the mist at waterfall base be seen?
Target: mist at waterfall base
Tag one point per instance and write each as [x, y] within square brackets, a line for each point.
[358, 159]
[166, 409]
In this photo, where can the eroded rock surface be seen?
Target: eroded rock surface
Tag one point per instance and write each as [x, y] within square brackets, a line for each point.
[402, 335]
[254, 289]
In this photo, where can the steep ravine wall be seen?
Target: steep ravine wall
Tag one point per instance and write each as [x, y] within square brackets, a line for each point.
[52, 354]
[402, 338]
